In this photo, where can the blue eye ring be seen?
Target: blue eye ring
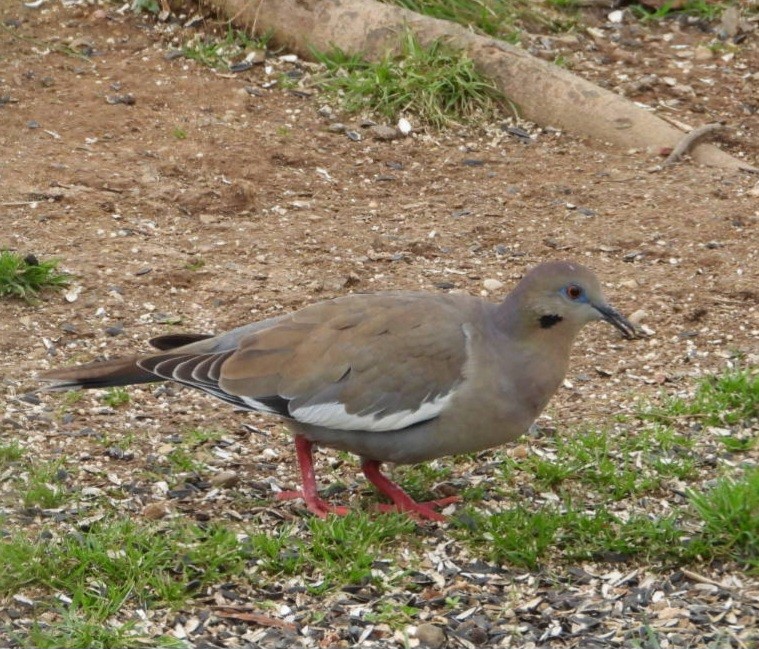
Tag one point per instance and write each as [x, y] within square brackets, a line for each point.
[574, 292]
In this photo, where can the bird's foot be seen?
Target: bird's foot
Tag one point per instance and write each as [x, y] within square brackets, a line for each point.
[424, 510]
[314, 504]
[402, 502]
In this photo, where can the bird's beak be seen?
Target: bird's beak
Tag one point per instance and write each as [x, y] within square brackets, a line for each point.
[614, 317]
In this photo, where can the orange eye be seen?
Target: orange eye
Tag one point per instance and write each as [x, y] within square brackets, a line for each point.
[574, 292]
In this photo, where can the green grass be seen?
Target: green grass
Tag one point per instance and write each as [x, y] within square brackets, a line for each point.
[418, 480]
[727, 515]
[25, 277]
[730, 515]
[336, 551]
[502, 19]
[718, 523]
[618, 465]
[435, 84]
[725, 400]
[526, 538]
[10, 453]
[221, 53]
[703, 9]
[114, 564]
[43, 485]
[115, 397]
[147, 6]
[618, 497]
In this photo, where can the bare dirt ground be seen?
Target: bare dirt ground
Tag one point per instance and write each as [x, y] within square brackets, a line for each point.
[201, 206]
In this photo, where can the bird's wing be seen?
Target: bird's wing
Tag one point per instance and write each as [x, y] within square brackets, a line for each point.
[364, 362]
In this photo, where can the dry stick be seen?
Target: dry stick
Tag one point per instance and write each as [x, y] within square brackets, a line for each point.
[690, 140]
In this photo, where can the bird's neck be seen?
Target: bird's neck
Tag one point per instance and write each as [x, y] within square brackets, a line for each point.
[526, 322]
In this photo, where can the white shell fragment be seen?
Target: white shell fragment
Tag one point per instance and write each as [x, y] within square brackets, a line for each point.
[404, 126]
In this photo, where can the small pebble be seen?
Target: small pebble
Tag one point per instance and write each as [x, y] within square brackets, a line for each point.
[225, 479]
[127, 99]
[637, 317]
[155, 511]
[384, 133]
[430, 635]
[492, 284]
[115, 330]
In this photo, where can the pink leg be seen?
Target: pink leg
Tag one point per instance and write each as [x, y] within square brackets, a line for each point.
[402, 501]
[303, 451]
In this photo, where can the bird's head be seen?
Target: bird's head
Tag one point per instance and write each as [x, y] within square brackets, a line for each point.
[564, 296]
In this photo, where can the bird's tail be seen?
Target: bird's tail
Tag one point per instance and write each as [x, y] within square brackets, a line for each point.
[115, 372]
[99, 374]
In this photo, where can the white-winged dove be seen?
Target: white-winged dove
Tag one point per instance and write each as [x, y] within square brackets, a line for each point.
[392, 377]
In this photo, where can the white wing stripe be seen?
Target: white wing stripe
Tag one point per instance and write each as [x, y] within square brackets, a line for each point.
[257, 405]
[333, 415]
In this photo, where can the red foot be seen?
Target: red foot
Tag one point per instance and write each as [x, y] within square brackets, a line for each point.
[424, 510]
[402, 502]
[315, 505]
[303, 451]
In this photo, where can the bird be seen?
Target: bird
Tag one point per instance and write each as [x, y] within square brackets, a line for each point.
[399, 377]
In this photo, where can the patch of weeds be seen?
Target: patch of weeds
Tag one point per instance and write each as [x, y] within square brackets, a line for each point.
[114, 564]
[618, 465]
[436, 84]
[725, 400]
[115, 397]
[200, 436]
[11, 452]
[179, 133]
[703, 9]
[338, 550]
[730, 514]
[75, 629]
[72, 397]
[344, 548]
[284, 131]
[277, 554]
[122, 441]
[395, 614]
[146, 6]
[564, 4]
[222, 53]
[195, 264]
[43, 485]
[523, 537]
[26, 277]
[517, 536]
[738, 444]
[418, 480]
[497, 18]
[182, 462]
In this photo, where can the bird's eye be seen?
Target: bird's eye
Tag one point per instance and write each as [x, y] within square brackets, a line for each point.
[574, 292]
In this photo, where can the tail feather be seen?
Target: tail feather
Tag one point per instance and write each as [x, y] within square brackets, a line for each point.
[172, 341]
[99, 374]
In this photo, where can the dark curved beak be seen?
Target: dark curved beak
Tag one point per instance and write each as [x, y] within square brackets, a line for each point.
[614, 317]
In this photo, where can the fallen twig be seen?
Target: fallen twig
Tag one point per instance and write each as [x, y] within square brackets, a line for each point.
[690, 140]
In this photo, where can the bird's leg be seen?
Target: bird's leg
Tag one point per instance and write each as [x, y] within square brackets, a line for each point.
[402, 502]
[304, 453]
